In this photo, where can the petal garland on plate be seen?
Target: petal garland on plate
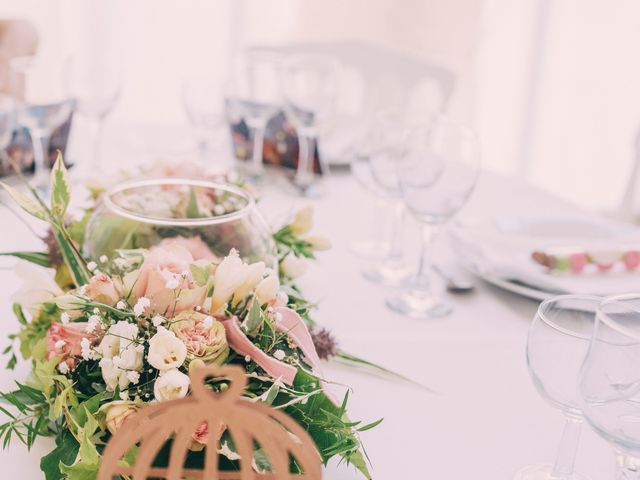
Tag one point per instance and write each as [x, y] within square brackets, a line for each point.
[126, 331]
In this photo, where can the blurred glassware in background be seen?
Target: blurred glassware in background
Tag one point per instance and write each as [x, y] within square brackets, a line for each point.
[435, 173]
[557, 343]
[253, 93]
[40, 88]
[609, 386]
[386, 146]
[95, 85]
[309, 87]
[207, 218]
[203, 99]
[376, 244]
[7, 121]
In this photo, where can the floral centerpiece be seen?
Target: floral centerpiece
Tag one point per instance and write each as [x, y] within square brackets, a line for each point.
[108, 335]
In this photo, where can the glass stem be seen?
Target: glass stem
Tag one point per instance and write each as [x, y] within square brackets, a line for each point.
[258, 144]
[397, 234]
[563, 466]
[304, 172]
[422, 282]
[627, 467]
[40, 159]
[96, 138]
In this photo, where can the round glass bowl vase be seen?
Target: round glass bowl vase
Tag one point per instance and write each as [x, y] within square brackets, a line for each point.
[208, 218]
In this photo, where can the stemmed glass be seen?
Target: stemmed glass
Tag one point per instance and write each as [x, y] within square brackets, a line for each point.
[41, 91]
[204, 104]
[254, 94]
[309, 87]
[609, 385]
[556, 347]
[436, 176]
[387, 143]
[95, 84]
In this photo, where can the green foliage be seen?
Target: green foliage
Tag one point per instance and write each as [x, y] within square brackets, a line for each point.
[37, 258]
[35, 331]
[201, 273]
[65, 453]
[54, 215]
[254, 319]
[27, 411]
[60, 188]
[287, 241]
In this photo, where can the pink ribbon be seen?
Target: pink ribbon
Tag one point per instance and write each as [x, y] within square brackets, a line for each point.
[239, 342]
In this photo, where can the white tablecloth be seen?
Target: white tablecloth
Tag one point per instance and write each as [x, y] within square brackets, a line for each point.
[488, 421]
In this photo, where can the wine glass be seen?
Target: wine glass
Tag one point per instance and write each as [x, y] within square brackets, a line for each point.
[41, 90]
[436, 175]
[386, 141]
[7, 126]
[309, 87]
[609, 384]
[254, 94]
[556, 346]
[95, 84]
[204, 104]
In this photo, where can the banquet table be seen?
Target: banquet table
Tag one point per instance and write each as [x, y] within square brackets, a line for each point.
[486, 419]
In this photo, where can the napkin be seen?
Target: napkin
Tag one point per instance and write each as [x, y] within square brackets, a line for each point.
[502, 248]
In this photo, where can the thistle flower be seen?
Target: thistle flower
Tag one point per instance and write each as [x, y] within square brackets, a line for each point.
[325, 344]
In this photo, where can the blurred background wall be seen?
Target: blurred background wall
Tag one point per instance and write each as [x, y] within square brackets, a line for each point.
[551, 86]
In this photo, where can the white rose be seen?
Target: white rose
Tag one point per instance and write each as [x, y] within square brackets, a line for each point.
[293, 266]
[303, 221]
[230, 275]
[267, 289]
[38, 286]
[254, 274]
[171, 385]
[166, 351]
[120, 354]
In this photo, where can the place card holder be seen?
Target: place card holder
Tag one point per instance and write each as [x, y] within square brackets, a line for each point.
[277, 434]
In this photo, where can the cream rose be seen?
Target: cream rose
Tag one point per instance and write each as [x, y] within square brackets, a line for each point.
[117, 412]
[203, 336]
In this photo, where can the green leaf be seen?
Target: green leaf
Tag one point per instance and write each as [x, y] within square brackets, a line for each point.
[19, 313]
[72, 258]
[38, 258]
[60, 189]
[65, 452]
[357, 460]
[253, 322]
[27, 204]
[193, 210]
[201, 273]
[87, 408]
[371, 425]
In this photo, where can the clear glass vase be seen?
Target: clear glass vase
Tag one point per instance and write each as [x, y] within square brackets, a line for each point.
[208, 218]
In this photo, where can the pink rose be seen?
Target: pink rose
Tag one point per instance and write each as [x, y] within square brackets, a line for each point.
[65, 341]
[103, 290]
[201, 436]
[198, 249]
[631, 259]
[166, 281]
